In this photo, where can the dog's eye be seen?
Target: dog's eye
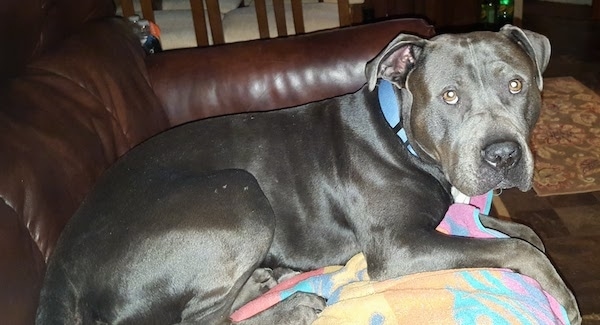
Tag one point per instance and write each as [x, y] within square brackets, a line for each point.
[515, 86]
[450, 97]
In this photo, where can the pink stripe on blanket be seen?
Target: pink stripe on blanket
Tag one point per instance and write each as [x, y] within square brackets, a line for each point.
[271, 297]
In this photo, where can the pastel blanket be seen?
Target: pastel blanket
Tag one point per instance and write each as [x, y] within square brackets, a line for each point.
[460, 296]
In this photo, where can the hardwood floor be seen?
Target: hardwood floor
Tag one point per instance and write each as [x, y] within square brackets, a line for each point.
[568, 224]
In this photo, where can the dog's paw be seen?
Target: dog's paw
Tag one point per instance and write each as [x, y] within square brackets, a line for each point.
[262, 279]
[300, 308]
[259, 282]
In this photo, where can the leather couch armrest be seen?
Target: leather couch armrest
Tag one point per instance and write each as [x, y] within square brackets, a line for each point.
[70, 114]
[269, 74]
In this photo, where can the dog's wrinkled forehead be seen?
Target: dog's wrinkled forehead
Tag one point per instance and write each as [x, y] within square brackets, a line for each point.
[475, 57]
[510, 44]
[477, 47]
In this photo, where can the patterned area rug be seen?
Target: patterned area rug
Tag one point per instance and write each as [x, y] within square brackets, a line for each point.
[566, 140]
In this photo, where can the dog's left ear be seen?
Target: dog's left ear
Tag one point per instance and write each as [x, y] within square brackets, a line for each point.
[537, 46]
[395, 61]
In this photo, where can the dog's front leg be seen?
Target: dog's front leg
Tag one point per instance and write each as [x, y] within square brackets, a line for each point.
[513, 229]
[423, 251]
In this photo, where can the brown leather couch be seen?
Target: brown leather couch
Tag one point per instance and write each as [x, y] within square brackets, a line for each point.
[77, 92]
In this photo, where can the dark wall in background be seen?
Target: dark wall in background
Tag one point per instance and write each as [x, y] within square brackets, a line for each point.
[441, 13]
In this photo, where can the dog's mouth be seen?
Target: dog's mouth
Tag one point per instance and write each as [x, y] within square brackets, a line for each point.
[499, 164]
[493, 181]
[506, 182]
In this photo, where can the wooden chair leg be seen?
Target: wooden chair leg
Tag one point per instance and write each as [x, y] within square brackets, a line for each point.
[214, 18]
[199, 22]
[298, 16]
[344, 12]
[279, 10]
[147, 10]
[127, 8]
[261, 17]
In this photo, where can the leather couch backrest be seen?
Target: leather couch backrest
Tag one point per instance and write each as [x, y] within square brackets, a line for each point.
[29, 27]
[268, 74]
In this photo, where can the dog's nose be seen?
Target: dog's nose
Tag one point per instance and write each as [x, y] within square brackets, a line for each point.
[502, 155]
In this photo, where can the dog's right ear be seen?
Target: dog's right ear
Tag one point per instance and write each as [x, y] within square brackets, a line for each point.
[395, 61]
[537, 46]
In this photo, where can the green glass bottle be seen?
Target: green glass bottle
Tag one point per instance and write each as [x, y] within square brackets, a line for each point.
[488, 14]
[505, 12]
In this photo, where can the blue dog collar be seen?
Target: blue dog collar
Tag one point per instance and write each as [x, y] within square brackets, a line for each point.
[391, 111]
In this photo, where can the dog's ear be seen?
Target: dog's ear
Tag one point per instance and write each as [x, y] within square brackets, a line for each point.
[537, 46]
[395, 61]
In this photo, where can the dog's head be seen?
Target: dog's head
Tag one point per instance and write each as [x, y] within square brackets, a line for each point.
[469, 102]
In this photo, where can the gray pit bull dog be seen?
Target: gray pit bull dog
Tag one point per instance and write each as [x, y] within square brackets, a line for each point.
[186, 227]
